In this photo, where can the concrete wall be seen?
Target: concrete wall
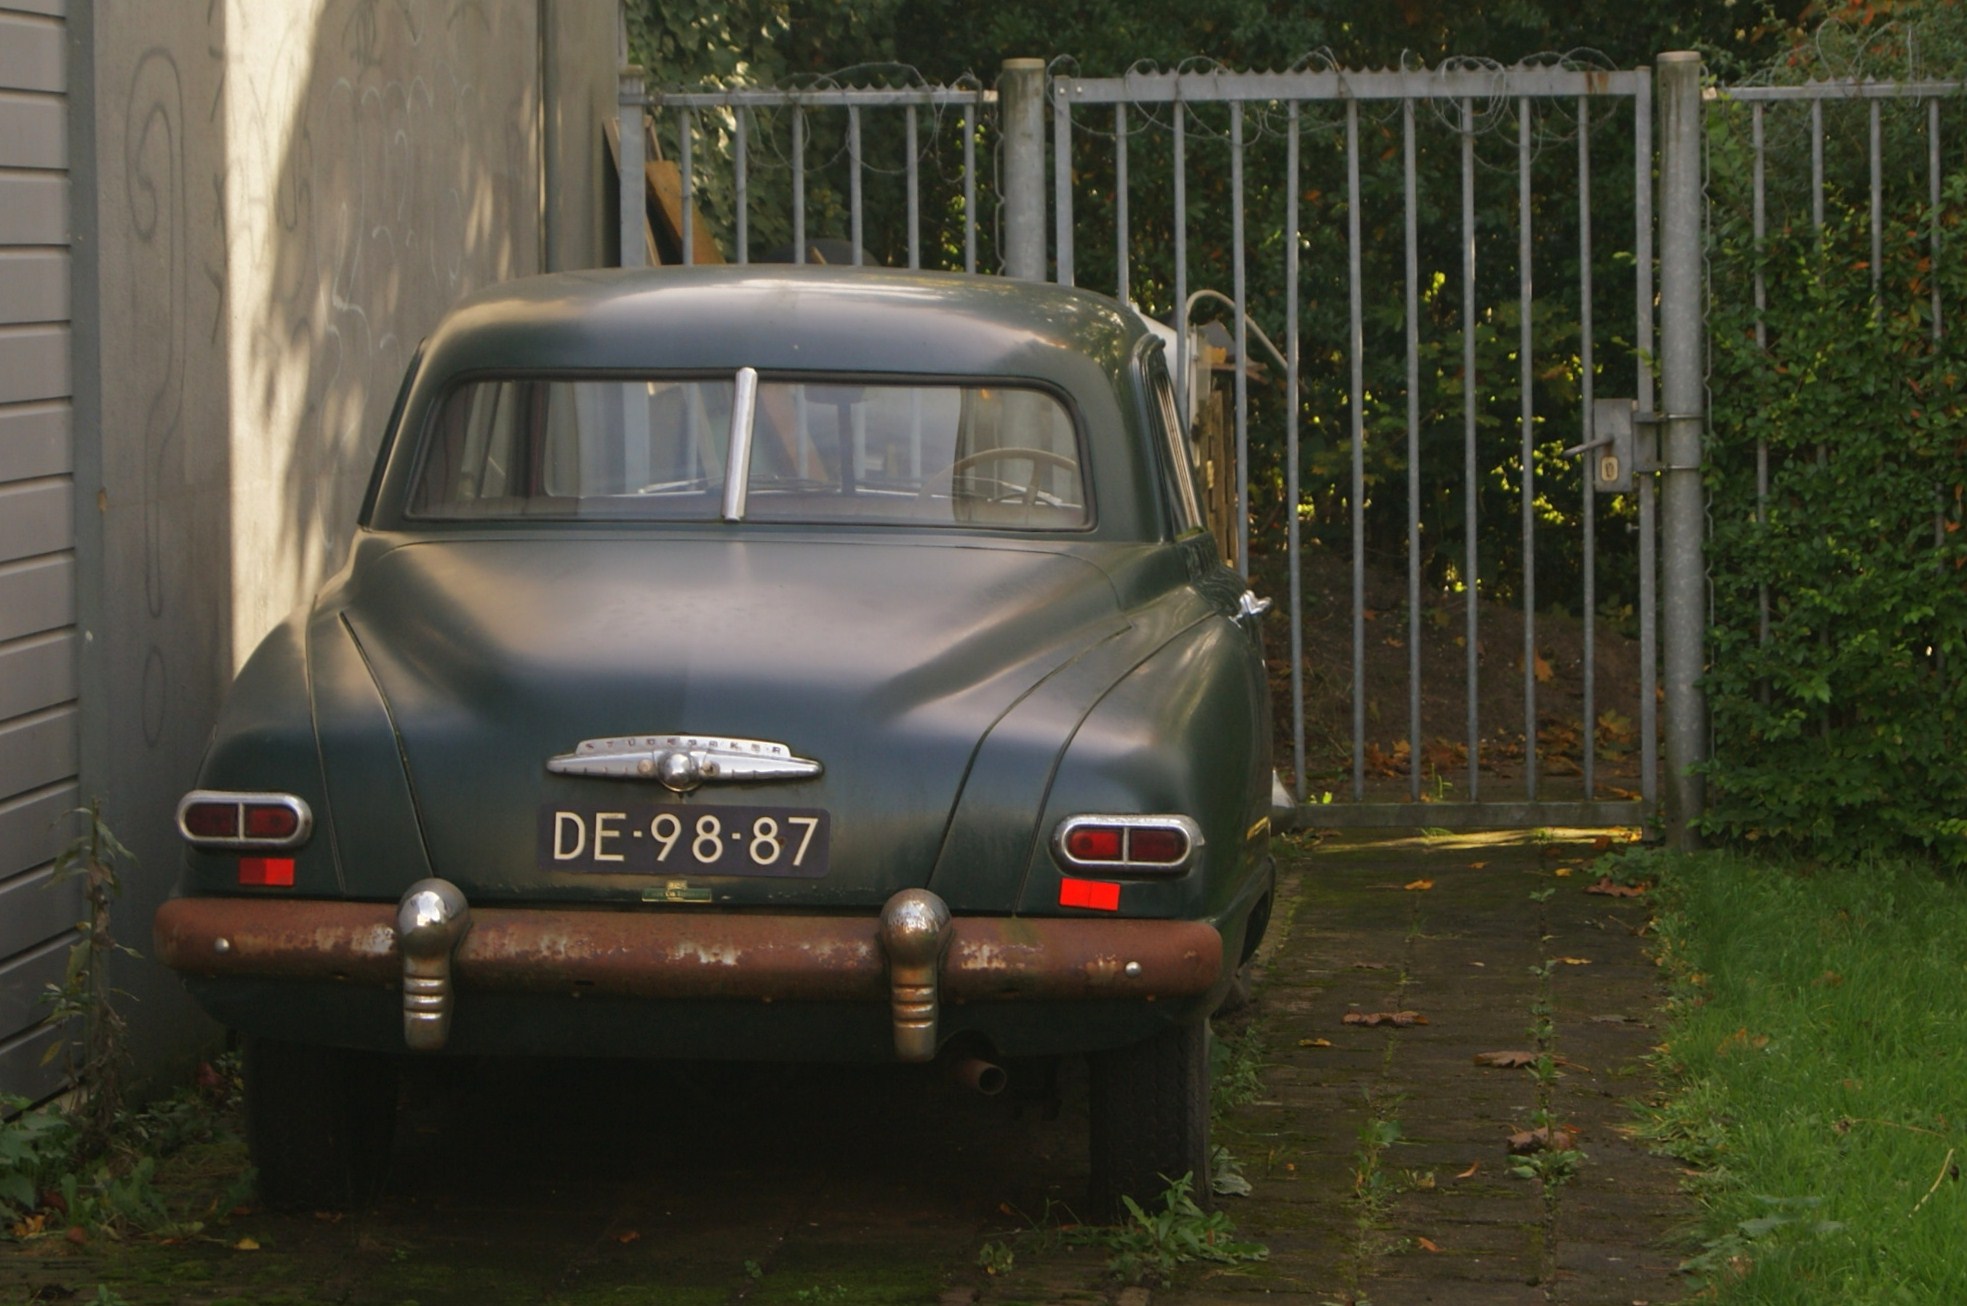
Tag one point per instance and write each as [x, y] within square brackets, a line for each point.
[279, 200]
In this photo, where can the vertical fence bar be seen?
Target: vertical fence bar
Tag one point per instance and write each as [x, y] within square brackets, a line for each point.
[914, 191]
[798, 185]
[1588, 510]
[630, 95]
[1933, 199]
[1062, 186]
[1021, 109]
[856, 219]
[1122, 291]
[741, 170]
[1877, 198]
[1758, 144]
[685, 160]
[1682, 385]
[1410, 222]
[970, 187]
[1292, 408]
[1642, 203]
[1526, 378]
[1470, 484]
[1183, 363]
[1817, 164]
[1356, 347]
[1239, 283]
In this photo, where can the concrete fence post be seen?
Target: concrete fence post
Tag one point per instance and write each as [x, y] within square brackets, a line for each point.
[1683, 389]
[631, 93]
[1021, 105]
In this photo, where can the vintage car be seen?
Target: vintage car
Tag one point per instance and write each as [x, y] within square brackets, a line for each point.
[774, 663]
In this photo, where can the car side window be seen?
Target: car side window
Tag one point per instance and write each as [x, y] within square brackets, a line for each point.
[1177, 465]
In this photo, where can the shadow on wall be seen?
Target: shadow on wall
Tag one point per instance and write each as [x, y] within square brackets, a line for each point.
[405, 175]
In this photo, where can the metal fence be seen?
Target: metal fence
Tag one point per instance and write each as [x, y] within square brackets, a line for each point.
[1480, 245]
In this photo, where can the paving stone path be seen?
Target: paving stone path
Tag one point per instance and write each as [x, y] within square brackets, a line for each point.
[1377, 1155]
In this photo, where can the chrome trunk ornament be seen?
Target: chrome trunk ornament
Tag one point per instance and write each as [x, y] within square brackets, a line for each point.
[683, 762]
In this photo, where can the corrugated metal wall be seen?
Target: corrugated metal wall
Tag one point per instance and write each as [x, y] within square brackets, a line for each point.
[37, 558]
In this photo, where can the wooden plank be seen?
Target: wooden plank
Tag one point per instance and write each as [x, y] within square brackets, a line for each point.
[24, 1071]
[33, 363]
[36, 440]
[37, 673]
[36, 596]
[24, 982]
[666, 205]
[37, 751]
[34, 909]
[33, 285]
[31, 54]
[32, 829]
[36, 518]
[33, 130]
[33, 206]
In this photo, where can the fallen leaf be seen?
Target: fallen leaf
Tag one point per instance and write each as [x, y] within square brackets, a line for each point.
[1370, 965]
[1314, 1042]
[1573, 961]
[627, 1236]
[1608, 888]
[1506, 1060]
[76, 1234]
[1469, 1173]
[1541, 669]
[1418, 886]
[1477, 866]
[1377, 1018]
[1602, 843]
[331, 1217]
[1544, 1138]
[1427, 1244]
[1562, 872]
[1829, 979]
[246, 1245]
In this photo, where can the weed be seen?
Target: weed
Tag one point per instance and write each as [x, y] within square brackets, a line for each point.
[85, 993]
[1154, 1242]
[996, 1258]
[1237, 1066]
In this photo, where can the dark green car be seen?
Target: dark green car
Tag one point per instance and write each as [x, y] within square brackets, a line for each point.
[787, 663]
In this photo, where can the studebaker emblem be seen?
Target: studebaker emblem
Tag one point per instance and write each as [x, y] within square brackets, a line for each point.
[683, 762]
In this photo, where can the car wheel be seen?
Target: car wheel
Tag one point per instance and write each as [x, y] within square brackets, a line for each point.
[319, 1122]
[1150, 1119]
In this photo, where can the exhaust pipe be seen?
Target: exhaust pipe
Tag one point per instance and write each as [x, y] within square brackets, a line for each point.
[986, 1077]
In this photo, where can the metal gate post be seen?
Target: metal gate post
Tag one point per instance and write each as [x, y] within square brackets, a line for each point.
[1021, 105]
[630, 94]
[1682, 389]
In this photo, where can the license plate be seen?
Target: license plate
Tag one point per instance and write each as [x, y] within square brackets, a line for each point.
[670, 839]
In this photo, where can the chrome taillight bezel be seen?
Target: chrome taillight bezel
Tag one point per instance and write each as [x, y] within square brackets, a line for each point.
[242, 799]
[1125, 864]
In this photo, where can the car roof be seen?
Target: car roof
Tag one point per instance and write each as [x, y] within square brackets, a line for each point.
[788, 317]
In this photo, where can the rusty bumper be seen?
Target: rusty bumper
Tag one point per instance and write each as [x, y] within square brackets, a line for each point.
[777, 957]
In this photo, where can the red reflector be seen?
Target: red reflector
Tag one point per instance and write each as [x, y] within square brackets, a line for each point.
[1163, 845]
[271, 821]
[1093, 843]
[212, 820]
[1095, 895]
[276, 871]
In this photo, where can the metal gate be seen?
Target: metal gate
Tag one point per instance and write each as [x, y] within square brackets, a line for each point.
[1438, 208]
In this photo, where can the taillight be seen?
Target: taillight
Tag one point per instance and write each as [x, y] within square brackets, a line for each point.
[216, 820]
[1126, 845]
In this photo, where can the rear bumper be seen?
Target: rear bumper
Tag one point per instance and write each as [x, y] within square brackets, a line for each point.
[916, 961]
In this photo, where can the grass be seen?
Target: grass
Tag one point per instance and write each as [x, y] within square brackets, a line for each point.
[1815, 1064]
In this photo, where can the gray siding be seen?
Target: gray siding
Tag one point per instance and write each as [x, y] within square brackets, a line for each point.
[38, 709]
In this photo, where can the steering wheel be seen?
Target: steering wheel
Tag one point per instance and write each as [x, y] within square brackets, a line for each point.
[1036, 457]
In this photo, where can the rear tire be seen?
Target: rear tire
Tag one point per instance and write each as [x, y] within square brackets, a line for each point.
[1150, 1119]
[319, 1122]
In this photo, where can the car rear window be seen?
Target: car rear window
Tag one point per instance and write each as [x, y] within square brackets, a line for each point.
[939, 453]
